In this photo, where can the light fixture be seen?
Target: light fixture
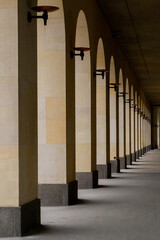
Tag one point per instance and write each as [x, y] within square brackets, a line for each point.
[122, 94]
[114, 85]
[45, 10]
[101, 72]
[129, 100]
[81, 51]
[133, 106]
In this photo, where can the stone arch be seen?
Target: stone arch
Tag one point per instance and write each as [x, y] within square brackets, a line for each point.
[83, 99]
[132, 123]
[127, 127]
[139, 124]
[142, 133]
[136, 124]
[113, 124]
[121, 115]
[54, 149]
[52, 96]
[101, 106]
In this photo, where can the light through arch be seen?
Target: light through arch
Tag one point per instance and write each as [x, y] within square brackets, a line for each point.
[113, 124]
[136, 125]
[52, 97]
[121, 115]
[127, 126]
[132, 124]
[139, 124]
[101, 108]
[83, 99]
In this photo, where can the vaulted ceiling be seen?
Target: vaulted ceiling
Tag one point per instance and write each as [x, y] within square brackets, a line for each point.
[136, 27]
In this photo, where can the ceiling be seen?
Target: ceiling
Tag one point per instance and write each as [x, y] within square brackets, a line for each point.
[136, 27]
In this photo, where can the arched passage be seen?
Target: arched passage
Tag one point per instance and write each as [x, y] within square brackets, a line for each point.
[55, 152]
[132, 125]
[84, 166]
[113, 124]
[127, 127]
[121, 119]
[101, 113]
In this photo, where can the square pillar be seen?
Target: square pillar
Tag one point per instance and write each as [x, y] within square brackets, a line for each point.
[56, 113]
[19, 203]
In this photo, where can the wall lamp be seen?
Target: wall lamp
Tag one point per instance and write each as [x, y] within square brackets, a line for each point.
[45, 10]
[129, 100]
[101, 72]
[81, 51]
[138, 110]
[122, 94]
[144, 116]
[133, 106]
[114, 85]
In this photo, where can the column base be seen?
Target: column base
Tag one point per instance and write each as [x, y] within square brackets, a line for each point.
[104, 171]
[128, 160]
[137, 155]
[87, 180]
[140, 153]
[133, 156]
[123, 163]
[144, 150]
[58, 194]
[18, 221]
[115, 166]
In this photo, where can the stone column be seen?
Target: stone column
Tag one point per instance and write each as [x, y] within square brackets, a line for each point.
[19, 203]
[86, 172]
[120, 124]
[136, 133]
[132, 133]
[127, 126]
[56, 113]
[154, 128]
[103, 167]
[139, 134]
[113, 119]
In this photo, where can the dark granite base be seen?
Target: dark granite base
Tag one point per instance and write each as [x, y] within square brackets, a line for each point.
[133, 156]
[104, 171]
[58, 194]
[137, 155]
[123, 163]
[128, 160]
[115, 166]
[18, 221]
[87, 180]
[144, 150]
[140, 153]
[148, 148]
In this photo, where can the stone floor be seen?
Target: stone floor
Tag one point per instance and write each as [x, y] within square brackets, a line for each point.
[126, 207]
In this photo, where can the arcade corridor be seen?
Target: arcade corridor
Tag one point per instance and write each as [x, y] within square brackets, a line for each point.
[126, 206]
[80, 119]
